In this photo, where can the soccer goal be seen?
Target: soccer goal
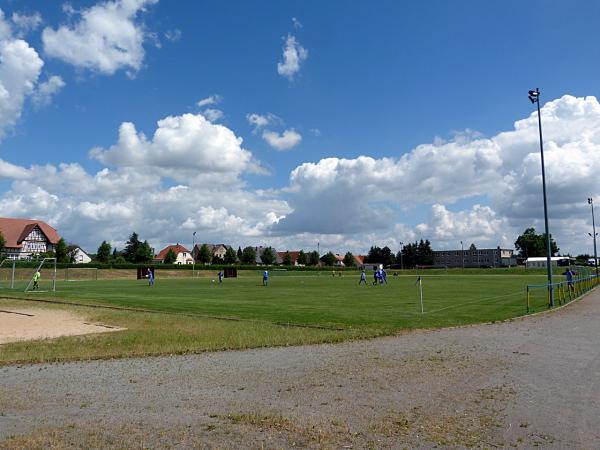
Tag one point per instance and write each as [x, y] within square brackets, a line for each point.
[7, 274]
[420, 269]
[46, 280]
[81, 274]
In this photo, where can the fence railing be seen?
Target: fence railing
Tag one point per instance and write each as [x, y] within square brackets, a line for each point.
[538, 295]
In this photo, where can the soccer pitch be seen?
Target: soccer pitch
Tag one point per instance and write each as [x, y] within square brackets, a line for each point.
[317, 300]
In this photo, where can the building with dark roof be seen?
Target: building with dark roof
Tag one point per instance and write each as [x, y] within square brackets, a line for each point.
[27, 237]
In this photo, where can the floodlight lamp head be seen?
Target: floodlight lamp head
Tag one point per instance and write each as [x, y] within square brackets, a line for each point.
[534, 96]
[590, 201]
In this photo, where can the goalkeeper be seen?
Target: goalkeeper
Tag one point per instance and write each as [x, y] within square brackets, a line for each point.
[36, 280]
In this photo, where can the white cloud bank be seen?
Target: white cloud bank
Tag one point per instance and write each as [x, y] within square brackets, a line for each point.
[106, 38]
[365, 194]
[293, 57]
[185, 178]
[189, 177]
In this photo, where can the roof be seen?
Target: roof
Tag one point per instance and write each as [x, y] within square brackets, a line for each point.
[176, 248]
[293, 255]
[16, 230]
[360, 259]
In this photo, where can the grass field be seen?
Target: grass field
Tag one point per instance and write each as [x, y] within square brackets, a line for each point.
[305, 308]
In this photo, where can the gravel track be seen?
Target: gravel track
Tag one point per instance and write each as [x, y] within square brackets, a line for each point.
[526, 383]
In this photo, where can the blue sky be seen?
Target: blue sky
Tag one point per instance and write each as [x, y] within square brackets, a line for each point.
[374, 123]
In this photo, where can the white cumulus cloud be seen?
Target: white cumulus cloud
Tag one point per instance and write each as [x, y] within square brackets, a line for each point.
[186, 148]
[107, 37]
[284, 141]
[20, 68]
[211, 100]
[46, 90]
[293, 57]
[26, 23]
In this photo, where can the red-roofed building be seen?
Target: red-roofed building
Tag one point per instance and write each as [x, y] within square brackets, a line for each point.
[359, 260]
[183, 254]
[26, 237]
[293, 256]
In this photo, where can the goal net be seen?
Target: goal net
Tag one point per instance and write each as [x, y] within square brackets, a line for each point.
[419, 268]
[43, 277]
[81, 274]
[7, 274]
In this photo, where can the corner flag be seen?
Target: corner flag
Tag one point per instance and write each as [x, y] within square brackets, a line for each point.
[420, 283]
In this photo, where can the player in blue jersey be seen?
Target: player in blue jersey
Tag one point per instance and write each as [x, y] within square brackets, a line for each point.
[363, 278]
[266, 278]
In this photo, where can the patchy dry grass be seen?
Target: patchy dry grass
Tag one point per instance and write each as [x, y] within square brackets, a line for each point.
[151, 334]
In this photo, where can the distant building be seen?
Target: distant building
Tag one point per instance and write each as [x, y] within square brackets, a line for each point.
[80, 257]
[183, 254]
[260, 250]
[215, 250]
[293, 256]
[542, 261]
[26, 238]
[475, 257]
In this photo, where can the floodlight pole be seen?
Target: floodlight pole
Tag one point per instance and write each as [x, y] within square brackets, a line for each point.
[462, 254]
[534, 97]
[591, 202]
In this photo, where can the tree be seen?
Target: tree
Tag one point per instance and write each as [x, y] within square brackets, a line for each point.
[249, 255]
[239, 253]
[216, 259]
[313, 258]
[287, 259]
[387, 257]
[204, 255]
[267, 256]
[72, 252]
[145, 253]
[424, 253]
[2, 243]
[137, 252]
[230, 256]
[132, 248]
[103, 254]
[170, 257]
[329, 259]
[61, 251]
[349, 259]
[531, 244]
[302, 258]
[374, 255]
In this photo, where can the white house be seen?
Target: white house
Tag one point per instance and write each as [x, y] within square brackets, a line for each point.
[80, 256]
[183, 254]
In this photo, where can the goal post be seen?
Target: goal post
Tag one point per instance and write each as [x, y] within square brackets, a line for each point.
[7, 273]
[81, 274]
[45, 263]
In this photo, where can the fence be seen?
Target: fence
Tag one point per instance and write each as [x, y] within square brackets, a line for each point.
[538, 295]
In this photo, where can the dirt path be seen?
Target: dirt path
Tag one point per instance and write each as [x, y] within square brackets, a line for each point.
[523, 384]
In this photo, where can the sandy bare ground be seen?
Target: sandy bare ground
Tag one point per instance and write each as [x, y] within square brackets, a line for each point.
[18, 324]
[529, 383]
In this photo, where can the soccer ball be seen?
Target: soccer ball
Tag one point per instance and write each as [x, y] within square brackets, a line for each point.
[213, 281]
